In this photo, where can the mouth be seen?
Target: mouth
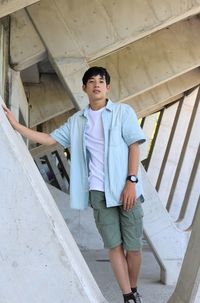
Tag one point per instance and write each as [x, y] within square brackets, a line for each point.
[96, 91]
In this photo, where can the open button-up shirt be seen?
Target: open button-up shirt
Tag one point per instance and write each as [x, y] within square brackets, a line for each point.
[121, 129]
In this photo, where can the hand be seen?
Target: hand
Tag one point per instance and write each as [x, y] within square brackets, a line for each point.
[10, 116]
[128, 196]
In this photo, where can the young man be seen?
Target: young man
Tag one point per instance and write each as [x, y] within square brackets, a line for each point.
[104, 139]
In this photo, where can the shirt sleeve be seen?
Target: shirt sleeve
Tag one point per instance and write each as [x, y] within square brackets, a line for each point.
[62, 134]
[131, 130]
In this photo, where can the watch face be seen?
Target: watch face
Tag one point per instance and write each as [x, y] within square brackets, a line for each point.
[133, 178]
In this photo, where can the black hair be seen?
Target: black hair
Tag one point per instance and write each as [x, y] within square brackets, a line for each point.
[95, 71]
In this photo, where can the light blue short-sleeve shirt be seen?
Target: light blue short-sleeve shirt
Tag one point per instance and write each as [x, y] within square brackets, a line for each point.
[121, 129]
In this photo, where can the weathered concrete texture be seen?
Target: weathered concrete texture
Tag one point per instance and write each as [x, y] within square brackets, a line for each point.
[66, 58]
[39, 258]
[156, 98]
[154, 60]
[26, 47]
[47, 100]
[110, 25]
[10, 6]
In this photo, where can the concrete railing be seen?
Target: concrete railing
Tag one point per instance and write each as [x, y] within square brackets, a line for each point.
[53, 164]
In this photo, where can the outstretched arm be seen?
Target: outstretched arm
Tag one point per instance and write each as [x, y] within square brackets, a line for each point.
[30, 134]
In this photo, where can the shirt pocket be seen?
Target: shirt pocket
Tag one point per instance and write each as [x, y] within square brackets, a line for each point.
[115, 136]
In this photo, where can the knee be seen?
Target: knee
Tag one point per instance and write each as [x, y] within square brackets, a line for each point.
[134, 253]
[116, 248]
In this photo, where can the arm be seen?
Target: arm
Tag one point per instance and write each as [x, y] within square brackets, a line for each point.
[32, 135]
[128, 196]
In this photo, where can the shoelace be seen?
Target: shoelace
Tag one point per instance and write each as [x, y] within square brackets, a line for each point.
[137, 297]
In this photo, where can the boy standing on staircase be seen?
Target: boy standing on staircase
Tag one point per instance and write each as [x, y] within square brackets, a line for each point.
[104, 139]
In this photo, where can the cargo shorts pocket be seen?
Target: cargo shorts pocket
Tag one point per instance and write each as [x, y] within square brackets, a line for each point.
[133, 220]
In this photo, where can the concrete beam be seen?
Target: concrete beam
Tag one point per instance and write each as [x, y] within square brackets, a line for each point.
[188, 285]
[167, 242]
[191, 199]
[47, 99]
[187, 127]
[134, 20]
[154, 60]
[10, 6]
[26, 47]
[111, 25]
[41, 259]
[159, 150]
[146, 59]
[156, 98]
[52, 124]
[64, 54]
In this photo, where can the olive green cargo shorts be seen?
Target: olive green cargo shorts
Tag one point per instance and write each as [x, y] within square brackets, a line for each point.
[117, 226]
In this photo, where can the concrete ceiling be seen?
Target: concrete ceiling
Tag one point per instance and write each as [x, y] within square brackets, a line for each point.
[151, 48]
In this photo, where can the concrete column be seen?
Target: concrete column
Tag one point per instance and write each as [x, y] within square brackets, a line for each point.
[4, 41]
[188, 286]
[17, 101]
[161, 143]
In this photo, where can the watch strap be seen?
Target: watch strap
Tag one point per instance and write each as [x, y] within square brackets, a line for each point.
[132, 178]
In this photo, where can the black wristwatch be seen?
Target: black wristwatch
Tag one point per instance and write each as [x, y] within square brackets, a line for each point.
[132, 178]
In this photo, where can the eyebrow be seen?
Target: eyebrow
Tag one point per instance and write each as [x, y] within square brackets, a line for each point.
[101, 77]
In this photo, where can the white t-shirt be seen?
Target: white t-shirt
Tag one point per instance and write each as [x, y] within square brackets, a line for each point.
[94, 138]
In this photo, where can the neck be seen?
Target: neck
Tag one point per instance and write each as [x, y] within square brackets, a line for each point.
[96, 105]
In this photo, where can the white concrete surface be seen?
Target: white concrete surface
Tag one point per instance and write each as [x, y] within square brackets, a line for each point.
[149, 285]
[166, 241]
[80, 223]
[40, 260]
[188, 286]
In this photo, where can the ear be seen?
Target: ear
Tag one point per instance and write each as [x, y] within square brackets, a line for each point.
[84, 88]
[108, 87]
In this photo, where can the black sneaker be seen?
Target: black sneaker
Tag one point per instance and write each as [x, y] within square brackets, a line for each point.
[137, 297]
[133, 297]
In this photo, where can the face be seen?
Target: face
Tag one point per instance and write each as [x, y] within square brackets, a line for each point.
[96, 88]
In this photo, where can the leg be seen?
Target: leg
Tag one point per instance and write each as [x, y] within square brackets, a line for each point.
[134, 259]
[120, 268]
[132, 230]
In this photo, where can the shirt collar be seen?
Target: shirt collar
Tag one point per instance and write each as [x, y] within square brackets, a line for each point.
[109, 106]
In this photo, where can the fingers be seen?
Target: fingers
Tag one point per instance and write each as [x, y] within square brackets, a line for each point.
[5, 108]
[128, 202]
